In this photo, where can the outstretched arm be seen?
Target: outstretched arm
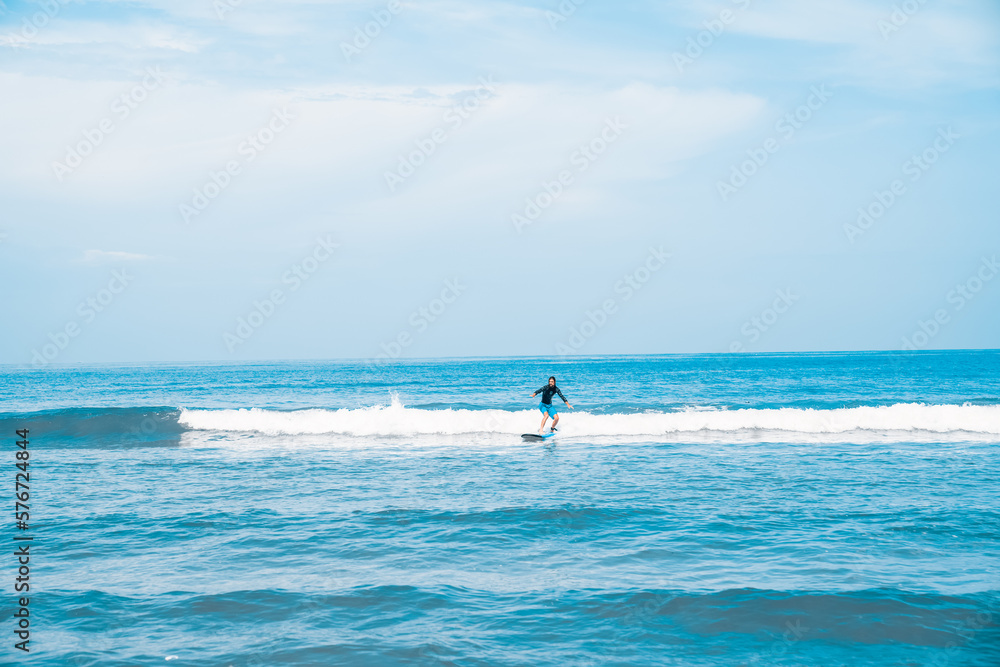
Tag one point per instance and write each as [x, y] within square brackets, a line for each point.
[564, 399]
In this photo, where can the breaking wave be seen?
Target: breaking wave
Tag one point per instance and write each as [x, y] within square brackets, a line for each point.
[398, 420]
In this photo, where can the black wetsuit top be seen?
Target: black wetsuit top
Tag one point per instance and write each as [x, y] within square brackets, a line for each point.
[547, 393]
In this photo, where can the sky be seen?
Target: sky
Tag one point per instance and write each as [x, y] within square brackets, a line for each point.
[227, 180]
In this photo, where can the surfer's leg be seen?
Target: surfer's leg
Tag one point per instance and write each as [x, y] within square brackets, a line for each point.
[555, 420]
[545, 417]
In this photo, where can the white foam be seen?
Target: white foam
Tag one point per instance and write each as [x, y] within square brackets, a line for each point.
[397, 420]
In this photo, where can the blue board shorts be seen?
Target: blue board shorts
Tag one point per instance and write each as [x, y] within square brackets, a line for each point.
[547, 408]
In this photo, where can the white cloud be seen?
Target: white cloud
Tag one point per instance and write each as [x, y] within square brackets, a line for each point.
[348, 137]
[135, 35]
[106, 256]
[949, 42]
[939, 43]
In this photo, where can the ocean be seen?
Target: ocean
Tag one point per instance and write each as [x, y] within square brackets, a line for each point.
[833, 509]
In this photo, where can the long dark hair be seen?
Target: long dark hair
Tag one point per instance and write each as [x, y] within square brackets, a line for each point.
[553, 378]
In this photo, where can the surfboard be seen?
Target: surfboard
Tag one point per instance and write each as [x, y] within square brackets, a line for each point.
[535, 436]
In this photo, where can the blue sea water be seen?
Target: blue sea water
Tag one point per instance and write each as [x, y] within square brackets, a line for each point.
[702, 510]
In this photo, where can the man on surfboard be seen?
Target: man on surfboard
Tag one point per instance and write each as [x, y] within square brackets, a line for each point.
[546, 406]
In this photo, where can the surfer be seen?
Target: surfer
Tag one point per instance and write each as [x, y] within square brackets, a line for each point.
[546, 406]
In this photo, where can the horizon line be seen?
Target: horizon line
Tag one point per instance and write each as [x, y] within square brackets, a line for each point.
[404, 360]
